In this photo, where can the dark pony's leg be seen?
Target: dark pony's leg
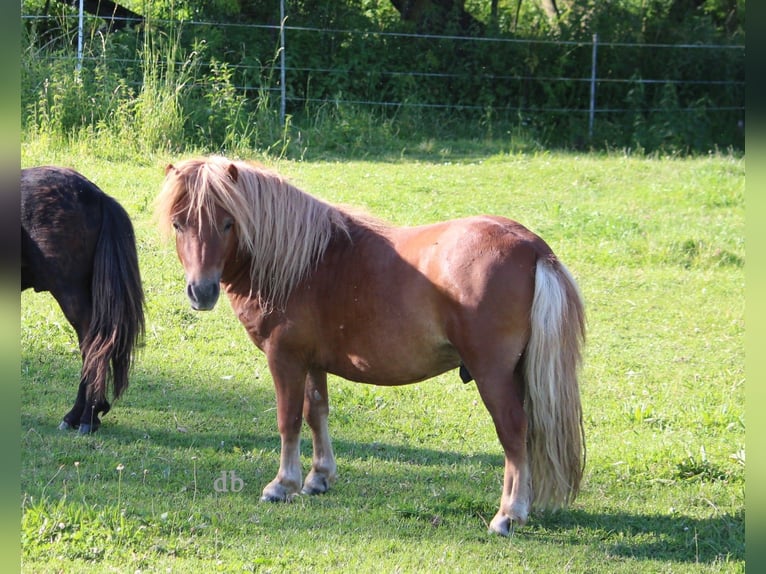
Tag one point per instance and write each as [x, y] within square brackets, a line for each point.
[315, 411]
[75, 303]
[71, 420]
[84, 415]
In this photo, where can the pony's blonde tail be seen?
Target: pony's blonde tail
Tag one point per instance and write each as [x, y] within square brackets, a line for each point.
[555, 438]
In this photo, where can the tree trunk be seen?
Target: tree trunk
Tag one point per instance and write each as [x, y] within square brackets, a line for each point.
[435, 16]
[551, 10]
[116, 15]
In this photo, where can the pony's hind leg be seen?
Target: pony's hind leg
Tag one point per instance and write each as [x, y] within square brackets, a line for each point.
[75, 304]
[90, 421]
[503, 395]
[315, 411]
[74, 301]
[84, 415]
[72, 419]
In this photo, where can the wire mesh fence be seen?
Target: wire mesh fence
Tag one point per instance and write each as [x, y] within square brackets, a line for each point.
[595, 84]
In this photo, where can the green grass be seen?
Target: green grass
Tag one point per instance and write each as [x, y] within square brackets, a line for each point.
[657, 246]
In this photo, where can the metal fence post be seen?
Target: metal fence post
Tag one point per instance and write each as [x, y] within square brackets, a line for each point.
[592, 110]
[282, 91]
[79, 37]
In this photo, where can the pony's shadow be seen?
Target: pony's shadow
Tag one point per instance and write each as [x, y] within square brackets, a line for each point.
[674, 537]
[238, 429]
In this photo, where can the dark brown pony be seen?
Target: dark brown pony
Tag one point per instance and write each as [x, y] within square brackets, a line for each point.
[78, 243]
[321, 290]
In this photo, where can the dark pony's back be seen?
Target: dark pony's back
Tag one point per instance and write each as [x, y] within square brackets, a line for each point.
[78, 243]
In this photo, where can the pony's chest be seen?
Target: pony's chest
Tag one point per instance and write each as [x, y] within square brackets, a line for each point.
[256, 322]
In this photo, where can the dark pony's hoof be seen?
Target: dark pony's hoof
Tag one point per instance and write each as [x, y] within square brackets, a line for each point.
[84, 428]
[88, 428]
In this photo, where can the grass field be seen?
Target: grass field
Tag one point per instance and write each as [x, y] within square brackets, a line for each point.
[657, 246]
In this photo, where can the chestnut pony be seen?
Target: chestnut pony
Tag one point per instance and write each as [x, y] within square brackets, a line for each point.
[321, 289]
[78, 244]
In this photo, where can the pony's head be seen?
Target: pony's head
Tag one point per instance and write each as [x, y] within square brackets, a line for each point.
[234, 212]
[198, 201]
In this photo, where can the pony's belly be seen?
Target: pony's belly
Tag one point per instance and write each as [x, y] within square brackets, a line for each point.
[392, 369]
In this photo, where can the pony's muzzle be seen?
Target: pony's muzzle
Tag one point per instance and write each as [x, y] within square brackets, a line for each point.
[203, 296]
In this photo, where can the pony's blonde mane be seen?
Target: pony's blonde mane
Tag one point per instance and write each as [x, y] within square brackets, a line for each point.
[284, 230]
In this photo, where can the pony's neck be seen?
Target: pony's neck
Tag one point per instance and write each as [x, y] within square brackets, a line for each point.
[236, 271]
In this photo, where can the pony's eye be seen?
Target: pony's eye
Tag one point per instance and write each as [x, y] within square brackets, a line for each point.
[177, 226]
[227, 225]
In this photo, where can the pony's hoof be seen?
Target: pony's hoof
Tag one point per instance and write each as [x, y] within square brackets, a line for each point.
[65, 426]
[88, 428]
[313, 490]
[316, 483]
[501, 525]
[277, 499]
[275, 492]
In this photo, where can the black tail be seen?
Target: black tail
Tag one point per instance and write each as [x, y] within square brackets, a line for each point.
[117, 320]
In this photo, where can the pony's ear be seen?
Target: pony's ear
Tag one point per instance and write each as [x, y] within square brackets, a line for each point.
[168, 168]
[233, 172]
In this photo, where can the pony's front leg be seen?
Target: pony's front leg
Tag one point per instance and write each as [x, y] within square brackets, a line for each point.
[289, 387]
[315, 411]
